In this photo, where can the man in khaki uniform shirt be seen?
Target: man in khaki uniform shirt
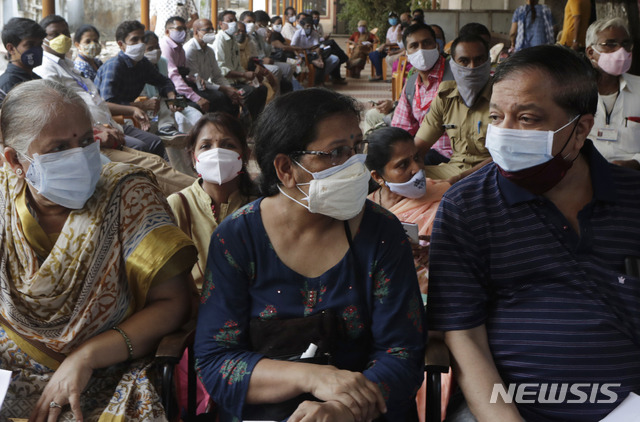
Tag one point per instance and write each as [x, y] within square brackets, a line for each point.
[461, 108]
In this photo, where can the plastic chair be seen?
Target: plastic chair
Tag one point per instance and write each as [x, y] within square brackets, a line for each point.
[397, 79]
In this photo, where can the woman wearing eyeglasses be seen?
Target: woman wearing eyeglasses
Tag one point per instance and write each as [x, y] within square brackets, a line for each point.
[312, 256]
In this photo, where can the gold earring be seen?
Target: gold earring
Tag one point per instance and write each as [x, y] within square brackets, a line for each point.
[19, 172]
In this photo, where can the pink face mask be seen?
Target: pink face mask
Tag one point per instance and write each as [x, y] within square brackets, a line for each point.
[615, 63]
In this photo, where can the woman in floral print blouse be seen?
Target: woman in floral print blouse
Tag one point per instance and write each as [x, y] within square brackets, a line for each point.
[312, 243]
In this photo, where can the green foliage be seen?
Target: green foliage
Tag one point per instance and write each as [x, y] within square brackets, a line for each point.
[375, 12]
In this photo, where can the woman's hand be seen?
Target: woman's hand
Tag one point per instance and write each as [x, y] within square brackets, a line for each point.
[64, 388]
[421, 250]
[352, 389]
[313, 411]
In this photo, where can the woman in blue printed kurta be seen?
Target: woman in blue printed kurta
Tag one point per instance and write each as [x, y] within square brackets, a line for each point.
[371, 286]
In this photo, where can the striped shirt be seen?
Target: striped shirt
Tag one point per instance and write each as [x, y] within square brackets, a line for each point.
[558, 307]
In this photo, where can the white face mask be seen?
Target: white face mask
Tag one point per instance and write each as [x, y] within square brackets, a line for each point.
[338, 192]
[219, 165]
[262, 32]
[415, 187]
[277, 28]
[518, 149]
[424, 60]
[292, 19]
[250, 27]
[470, 80]
[67, 178]
[232, 28]
[135, 52]
[209, 37]
[153, 56]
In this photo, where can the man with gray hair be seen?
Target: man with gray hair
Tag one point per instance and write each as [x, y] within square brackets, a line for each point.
[616, 130]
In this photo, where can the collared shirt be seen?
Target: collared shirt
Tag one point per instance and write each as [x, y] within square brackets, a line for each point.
[288, 30]
[164, 9]
[300, 39]
[203, 61]
[62, 71]
[121, 81]
[408, 116]
[227, 53]
[174, 53]
[627, 132]
[13, 75]
[558, 306]
[466, 127]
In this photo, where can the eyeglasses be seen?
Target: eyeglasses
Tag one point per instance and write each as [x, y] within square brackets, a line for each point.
[178, 28]
[613, 45]
[336, 156]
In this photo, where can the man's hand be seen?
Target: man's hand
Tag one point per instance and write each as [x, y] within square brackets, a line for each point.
[108, 136]
[150, 104]
[384, 106]
[249, 75]
[203, 103]
[142, 118]
[172, 105]
[232, 93]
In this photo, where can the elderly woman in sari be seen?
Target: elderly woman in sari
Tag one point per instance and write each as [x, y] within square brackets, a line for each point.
[94, 271]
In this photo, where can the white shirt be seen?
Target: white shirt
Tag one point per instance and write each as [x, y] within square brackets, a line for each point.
[164, 9]
[394, 34]
[62, 71]
[288, 30]
[227, 53]
[203, 61]
[627, 143]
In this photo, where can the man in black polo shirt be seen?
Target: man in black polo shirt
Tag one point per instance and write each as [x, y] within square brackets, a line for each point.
[22, 39]
[534, 258]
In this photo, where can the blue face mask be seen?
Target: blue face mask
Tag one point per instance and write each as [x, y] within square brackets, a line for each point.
[32, 57]
[440, 44]
[393, 21]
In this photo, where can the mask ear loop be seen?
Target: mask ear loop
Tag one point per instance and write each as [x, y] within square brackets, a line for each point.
[570, 135]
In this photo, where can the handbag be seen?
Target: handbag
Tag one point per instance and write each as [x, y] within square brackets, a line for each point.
[288, 339]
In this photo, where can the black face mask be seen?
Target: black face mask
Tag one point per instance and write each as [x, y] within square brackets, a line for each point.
[404, 25]
[240, 37]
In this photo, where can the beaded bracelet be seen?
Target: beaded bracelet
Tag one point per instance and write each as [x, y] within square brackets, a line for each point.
[126, 340]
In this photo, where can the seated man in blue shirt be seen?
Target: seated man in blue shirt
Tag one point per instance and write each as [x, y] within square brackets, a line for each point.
[123, 77]
[530, 274]
[22, 38]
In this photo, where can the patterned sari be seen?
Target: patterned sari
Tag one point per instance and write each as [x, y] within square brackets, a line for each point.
[58, 291]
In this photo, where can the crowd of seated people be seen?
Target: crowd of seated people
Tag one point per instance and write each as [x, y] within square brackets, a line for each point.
[494, 199]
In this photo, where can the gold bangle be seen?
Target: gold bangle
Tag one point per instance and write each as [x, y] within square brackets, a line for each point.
[126, 340]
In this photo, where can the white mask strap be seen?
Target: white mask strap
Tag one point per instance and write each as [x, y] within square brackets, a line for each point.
[292, 198]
